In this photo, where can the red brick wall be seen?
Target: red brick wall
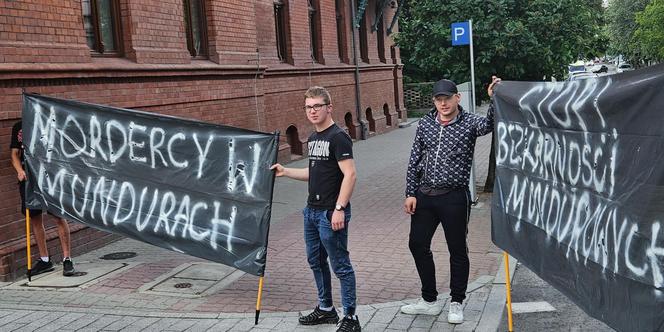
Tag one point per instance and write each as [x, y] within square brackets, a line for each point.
[154, 31]
[232, 31]
[42, 31]
[43, 50]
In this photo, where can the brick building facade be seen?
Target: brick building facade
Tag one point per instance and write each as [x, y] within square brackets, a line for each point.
[233, 62]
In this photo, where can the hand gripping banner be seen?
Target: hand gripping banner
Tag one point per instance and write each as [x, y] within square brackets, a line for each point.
[579, 191]
[197, 188]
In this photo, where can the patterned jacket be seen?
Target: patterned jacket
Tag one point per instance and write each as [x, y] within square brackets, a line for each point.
[442, 155]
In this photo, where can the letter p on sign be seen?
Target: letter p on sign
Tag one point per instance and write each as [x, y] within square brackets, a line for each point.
[460, 33]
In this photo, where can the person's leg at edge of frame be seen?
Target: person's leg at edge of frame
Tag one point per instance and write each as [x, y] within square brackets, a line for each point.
[43, 264]
[423, 226]
[336, 244]
[455, 215]
[37, 225]
[324, 312]
[64, 235]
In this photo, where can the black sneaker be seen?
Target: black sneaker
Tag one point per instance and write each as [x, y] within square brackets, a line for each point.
[42, 267]
[320, 317]
[349, 324]
[68, 268]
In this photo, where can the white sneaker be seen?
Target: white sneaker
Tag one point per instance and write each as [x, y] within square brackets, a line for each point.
[455, 314]
[422, 307]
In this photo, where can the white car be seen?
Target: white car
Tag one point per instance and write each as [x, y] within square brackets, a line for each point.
[623, 67]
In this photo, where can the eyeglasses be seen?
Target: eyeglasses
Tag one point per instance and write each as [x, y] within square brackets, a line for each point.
[315, 107]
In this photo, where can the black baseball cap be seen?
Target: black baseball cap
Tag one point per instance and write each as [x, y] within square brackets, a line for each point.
[444, 87]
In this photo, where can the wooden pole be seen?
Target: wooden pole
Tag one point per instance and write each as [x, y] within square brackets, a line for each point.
[258, 299]
[509, 292]
[27, 239]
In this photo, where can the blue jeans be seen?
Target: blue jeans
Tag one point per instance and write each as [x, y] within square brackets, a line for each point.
[322, 242]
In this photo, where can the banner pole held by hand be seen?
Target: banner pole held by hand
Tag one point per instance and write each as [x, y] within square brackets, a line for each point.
[509, 291]
[258, 299]
[27, 238]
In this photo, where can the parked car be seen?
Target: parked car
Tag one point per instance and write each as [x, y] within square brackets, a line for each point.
[599, 69]
[623, 67]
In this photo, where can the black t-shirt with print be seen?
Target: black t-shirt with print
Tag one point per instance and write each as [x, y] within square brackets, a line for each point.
[326, 149]
[17, 139]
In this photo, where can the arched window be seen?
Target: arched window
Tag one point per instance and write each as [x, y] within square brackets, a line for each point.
[388, 116]
[348, 119]
[294, 141]
[370, 119]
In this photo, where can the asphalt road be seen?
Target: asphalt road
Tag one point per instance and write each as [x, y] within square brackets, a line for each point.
[567, 316]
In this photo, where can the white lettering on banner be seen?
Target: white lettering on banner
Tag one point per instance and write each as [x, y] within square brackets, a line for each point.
[132, 144]
[154, 145]
[565, 180]
[181, 137]
[112, 140]
[116, 205]
[602, 235]
[202, 153]
[239, 169]
[95, 138]
[125, 203]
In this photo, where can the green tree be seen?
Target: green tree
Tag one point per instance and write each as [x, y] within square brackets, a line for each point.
[621, 26]
[516, 39]
[650, 31]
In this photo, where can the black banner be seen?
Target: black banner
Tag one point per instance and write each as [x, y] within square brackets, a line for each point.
[579, 190]
[192, 187]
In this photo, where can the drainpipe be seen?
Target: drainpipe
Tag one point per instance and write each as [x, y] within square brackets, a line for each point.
[358, 105]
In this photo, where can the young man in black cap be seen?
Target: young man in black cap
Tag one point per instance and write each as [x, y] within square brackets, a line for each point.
[44, 264]
[331, 177]
[437, 193]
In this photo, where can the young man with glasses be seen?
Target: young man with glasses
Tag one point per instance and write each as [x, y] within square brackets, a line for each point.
[331, 177]
[437, 193]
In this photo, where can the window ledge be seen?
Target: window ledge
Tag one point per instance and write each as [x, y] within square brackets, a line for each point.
[120, 67]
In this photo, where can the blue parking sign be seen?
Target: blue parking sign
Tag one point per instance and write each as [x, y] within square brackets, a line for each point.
[460, 33]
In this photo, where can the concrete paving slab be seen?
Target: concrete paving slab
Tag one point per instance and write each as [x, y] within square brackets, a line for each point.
[92, 271]
[204, 279]
[528, 307]
[206, 271]
[183, 286]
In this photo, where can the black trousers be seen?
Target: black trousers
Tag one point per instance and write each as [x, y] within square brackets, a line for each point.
[452, 210]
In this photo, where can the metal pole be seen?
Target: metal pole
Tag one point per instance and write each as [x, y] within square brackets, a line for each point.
[473, 191]
[358, 107]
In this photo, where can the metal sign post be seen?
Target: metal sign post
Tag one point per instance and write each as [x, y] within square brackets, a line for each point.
[462, 34]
